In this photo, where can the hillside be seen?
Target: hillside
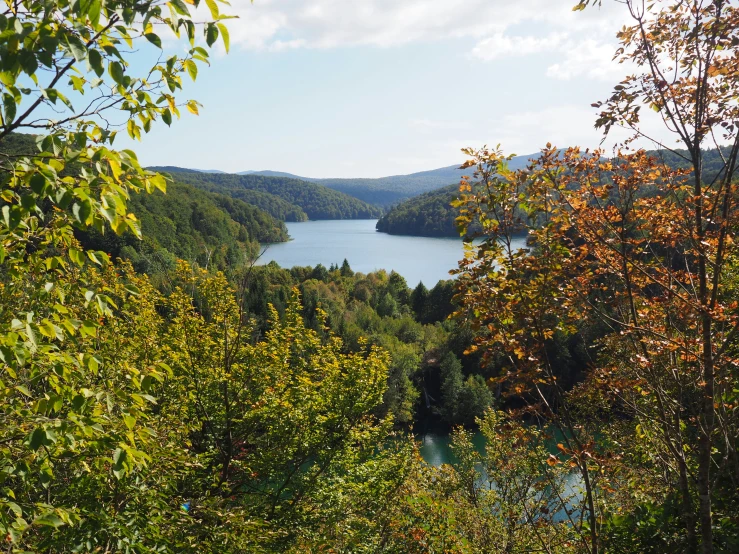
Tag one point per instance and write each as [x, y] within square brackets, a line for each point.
[315, 200]
[427, 215]
[190, 224]
[186, 223]
[382, 191]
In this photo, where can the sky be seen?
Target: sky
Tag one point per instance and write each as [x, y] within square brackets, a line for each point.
[369, 88]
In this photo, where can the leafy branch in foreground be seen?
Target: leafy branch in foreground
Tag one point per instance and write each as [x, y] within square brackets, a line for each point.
[73, 414]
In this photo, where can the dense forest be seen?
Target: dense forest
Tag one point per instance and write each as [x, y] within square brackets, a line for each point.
[316, 201]
[433, 215]
[274, 205]
[208, 405]
[428, 215]
[427, 350]
[209, 229]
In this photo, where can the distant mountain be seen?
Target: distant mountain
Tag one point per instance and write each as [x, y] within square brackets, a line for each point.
[268, 173]
[275, 206]
[315, 200]
[383, 191]
[185, 223]
[386, 191]
[176, 168]
[190, 224]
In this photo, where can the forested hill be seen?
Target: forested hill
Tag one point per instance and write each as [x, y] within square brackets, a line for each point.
[427, 215]
[210, 229]
[315, 200]
[431, 215]
[188, 223]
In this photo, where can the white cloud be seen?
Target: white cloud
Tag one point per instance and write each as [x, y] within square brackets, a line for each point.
[501, 45]
[384, 23]
[432, 124]
[578, 37]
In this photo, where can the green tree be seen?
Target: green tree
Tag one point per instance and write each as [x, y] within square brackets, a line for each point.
[346, 270]
[452, 382]
[73, 413]
[387, 306]
[419, 298]
[281, 427]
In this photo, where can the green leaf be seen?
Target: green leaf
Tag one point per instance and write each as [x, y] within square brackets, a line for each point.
[119, 459]
[15, 509]
[211, 34]
[93, 12]
[77, 257]
[7, 78]
[192, 69]
[154, 39]
[50, 94]
[179, 7]
[132, 289]
[213, 7]
[38, 183]
[28, 61]
[49, 519]
[38, 439]
[96, 62]
[130, 421]
[76, 47]
[9, 109]
[116, 71]
[88, 328]
[225, 36]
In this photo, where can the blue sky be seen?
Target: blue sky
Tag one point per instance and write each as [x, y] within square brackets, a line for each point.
[367, 88]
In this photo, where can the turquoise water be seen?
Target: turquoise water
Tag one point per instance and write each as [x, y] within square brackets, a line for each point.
[436, 450]
[330, 242]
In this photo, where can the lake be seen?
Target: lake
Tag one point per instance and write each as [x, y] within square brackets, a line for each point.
[356, 240]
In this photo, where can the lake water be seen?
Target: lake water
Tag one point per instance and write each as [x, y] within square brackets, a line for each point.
[356, 240]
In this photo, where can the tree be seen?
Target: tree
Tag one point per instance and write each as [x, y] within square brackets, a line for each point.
[346, 270]
[452, 382]
[282, 427]
[73, 414]
[418, 300]
[387, 306]
[398, 287]
[640, 249]
[504, 499]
